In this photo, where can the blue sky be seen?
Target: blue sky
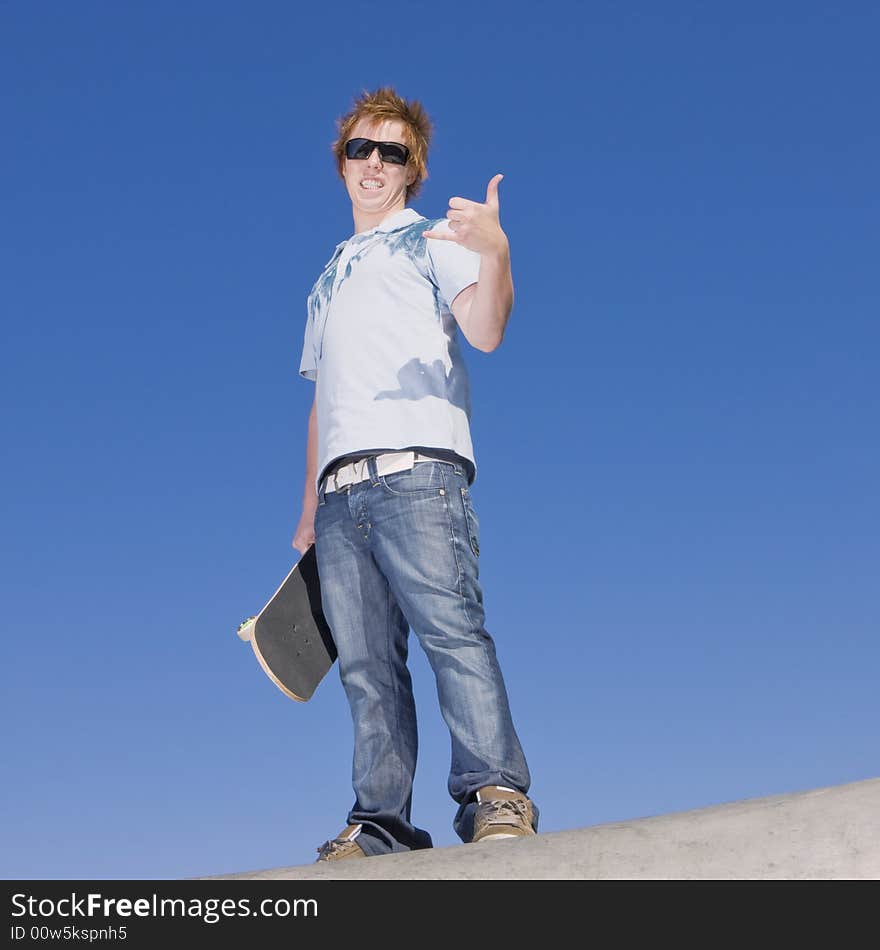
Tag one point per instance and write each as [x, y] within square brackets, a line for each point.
[676, 442]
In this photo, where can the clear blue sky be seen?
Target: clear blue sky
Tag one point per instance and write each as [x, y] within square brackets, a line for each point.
[676, 442]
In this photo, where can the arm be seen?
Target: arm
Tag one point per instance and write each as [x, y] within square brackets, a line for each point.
[310, 496]
[305, 530]
[482, 309]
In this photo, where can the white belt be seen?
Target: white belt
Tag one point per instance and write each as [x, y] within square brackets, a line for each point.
[386, 464]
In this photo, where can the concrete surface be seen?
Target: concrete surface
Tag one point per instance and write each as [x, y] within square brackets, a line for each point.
[827, 833]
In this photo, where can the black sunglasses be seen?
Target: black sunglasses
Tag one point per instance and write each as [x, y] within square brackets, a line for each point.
[392, 152]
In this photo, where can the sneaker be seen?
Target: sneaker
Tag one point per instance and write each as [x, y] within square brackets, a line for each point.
[342, 846]
[502, 813]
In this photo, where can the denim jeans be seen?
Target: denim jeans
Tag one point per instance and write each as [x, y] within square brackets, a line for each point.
[396, 552]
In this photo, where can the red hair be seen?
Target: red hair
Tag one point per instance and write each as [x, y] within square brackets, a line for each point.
[386, 105]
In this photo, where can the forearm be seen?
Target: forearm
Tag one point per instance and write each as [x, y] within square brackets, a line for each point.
[310, 495]
[493, 301]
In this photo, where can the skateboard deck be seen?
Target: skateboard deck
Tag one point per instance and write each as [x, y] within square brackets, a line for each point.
[290, 635]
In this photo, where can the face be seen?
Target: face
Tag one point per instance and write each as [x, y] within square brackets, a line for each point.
[376, 187]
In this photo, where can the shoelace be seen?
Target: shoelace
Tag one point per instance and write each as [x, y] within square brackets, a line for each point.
[501, 810]
[330, 847]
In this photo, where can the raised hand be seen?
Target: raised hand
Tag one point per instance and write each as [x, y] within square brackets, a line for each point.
[475, 225]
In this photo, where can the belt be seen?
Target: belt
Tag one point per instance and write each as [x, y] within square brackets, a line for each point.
[386, 464]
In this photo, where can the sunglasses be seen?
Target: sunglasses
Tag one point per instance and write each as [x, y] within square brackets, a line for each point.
[392, 152]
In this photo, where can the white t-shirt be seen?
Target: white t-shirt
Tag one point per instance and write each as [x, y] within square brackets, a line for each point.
[382, 345]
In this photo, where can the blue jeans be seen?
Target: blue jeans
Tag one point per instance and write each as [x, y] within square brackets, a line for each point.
[400, 551]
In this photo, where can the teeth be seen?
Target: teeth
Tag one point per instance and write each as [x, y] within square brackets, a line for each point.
[371, 183]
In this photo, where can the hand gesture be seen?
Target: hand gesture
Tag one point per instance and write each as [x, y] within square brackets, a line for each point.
[475, 225]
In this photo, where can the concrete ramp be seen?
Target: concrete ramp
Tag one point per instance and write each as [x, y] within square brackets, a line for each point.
[827, 833]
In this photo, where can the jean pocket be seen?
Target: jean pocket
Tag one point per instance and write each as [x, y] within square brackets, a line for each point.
[422, 478]
[473, 523]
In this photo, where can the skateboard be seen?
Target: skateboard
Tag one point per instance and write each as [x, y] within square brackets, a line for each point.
[290, 635]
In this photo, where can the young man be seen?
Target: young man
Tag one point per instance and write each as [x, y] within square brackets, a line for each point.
[389, 465]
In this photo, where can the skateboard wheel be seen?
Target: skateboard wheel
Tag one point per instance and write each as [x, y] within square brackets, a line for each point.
[246, 628]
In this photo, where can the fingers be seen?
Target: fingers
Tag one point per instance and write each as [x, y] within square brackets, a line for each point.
[492, 190]
[458, 218]
[447, 233]
[302, 542]
[458, 203]
[439, 236]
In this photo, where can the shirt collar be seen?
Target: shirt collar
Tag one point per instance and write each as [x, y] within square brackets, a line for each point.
[394, 221]
[398, 220]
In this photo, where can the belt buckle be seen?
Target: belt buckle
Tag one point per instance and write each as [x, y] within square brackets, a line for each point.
[347, 486]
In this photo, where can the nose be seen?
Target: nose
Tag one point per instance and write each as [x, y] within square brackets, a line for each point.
[374, 158]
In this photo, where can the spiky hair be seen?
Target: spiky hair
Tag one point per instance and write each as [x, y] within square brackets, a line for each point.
[383, 105]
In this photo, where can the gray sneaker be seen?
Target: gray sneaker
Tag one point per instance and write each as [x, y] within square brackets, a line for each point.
[342, 846]
[502, 813]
